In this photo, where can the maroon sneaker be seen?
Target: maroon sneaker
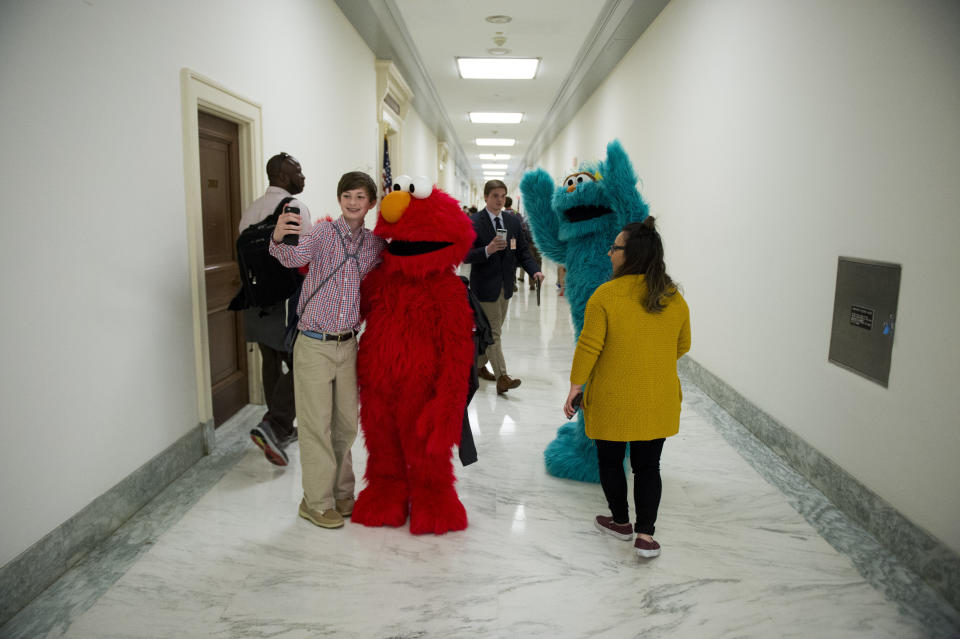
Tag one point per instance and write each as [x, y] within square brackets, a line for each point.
[645, 548]
[620, 531]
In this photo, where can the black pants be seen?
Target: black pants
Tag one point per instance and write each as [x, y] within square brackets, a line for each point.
[645, 460]
[278, 390]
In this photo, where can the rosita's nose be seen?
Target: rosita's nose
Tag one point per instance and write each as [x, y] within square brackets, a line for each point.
[394, 205]
[571, 188]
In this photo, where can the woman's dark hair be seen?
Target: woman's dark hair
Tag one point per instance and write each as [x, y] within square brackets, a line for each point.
[643, 255]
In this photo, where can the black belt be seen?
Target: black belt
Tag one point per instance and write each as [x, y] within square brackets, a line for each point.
[330, 337]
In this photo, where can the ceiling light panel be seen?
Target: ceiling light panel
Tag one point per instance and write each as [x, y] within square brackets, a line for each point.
[478, 117]
[493, 166]
[498, 68]
[494, 156]
[496, 141]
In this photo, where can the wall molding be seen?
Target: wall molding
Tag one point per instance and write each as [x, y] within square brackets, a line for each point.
[40, 565]
[917, 549]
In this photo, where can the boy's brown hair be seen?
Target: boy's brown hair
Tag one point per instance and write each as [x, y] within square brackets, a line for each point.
[357, 180]
[491, 185]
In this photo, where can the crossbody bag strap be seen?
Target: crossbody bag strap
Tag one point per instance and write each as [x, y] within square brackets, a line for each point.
[347, 256]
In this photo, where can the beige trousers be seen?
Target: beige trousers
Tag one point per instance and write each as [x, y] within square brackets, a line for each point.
[496, 312]
[325, 388]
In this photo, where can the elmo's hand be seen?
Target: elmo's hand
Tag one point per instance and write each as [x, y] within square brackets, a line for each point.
[439, 425]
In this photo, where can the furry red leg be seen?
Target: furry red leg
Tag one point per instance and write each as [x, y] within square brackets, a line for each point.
[434, 504]
[384, 501]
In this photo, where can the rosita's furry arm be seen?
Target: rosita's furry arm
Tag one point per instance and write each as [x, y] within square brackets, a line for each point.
[621, 188]
[536, 187]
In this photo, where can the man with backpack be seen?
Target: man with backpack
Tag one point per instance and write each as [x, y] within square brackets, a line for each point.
[267, 325]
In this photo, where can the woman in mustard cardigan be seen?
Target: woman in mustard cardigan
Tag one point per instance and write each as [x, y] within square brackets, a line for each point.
[635, 328]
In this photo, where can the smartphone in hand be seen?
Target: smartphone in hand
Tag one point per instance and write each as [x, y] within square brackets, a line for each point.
[291, 238]
[575, 402]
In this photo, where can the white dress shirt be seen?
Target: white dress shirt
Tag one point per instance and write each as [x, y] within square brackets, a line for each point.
[263, 207]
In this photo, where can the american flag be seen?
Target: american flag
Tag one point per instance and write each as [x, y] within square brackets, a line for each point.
[387, 180]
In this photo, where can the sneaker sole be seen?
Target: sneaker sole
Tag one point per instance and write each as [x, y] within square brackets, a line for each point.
[603, 529]
[322, 524]
[646, 554]
[275, 457]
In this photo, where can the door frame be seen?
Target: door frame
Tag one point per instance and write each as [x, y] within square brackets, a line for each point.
[199, 93]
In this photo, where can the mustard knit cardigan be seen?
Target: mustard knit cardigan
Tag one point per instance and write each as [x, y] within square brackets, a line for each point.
[627, 357]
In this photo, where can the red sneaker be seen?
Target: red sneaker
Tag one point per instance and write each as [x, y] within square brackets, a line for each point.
[645, 548]
[620, 531]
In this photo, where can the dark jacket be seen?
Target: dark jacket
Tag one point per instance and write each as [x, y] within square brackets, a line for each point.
[490, 275]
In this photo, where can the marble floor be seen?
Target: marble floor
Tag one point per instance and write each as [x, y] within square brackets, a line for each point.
[749, 548]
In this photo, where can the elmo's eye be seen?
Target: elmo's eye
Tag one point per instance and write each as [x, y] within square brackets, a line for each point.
[403, 183]
[420, 187]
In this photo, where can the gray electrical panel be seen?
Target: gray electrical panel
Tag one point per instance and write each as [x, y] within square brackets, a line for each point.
[864, 317]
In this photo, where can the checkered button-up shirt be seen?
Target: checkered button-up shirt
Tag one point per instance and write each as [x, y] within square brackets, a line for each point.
[336, 307]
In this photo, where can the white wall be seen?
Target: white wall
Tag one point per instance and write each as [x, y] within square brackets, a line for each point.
[418, 149]
[773, 136]
[97, 339]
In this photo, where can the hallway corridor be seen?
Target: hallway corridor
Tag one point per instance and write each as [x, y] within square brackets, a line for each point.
[749, 547]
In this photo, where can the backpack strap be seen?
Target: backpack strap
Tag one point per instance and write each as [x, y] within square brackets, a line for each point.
[275, 216]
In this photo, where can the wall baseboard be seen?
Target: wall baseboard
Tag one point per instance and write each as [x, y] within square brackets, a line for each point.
[40, 565]
[920, 551]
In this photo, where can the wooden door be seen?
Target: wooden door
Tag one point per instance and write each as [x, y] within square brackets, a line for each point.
[220, 186]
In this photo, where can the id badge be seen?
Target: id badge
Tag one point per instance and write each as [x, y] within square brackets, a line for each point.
[513, 244]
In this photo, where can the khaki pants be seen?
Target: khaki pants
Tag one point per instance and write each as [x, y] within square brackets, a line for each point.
[325, 387]
[496, 312]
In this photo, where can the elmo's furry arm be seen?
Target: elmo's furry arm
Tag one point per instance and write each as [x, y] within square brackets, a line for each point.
[441, 420]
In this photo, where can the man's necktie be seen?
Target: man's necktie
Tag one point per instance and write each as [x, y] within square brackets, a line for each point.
[497, 224]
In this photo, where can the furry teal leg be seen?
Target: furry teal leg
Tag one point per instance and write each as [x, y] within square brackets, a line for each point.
[572, 455]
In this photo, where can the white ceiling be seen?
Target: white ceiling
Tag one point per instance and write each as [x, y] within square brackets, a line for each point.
[577, 41]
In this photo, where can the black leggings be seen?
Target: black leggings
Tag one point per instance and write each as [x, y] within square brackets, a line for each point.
[645, 460]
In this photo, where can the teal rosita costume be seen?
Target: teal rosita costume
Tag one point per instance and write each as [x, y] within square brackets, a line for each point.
[574, 225]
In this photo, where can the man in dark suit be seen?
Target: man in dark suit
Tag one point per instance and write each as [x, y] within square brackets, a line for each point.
[500, 244]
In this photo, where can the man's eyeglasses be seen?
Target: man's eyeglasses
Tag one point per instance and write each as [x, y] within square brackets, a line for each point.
[615, 247]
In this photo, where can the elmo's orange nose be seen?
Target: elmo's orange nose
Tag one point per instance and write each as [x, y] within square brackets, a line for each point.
[393, 206]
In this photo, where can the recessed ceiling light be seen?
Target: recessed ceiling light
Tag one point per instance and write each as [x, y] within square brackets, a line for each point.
[498, 19]
[493, 166]
[495, 141]
[498, 68]
[494, 174]
[494, 156]
[478, 117]
[498, 51]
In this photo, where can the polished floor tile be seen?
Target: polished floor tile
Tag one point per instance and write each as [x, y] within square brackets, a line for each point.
[748, 548]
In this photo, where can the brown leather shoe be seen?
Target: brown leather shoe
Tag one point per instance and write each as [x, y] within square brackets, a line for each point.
[505, 383]
[484, 373]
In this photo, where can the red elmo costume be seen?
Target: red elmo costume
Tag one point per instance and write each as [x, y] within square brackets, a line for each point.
[413, 362]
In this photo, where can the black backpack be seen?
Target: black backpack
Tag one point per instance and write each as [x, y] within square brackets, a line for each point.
[265, 281]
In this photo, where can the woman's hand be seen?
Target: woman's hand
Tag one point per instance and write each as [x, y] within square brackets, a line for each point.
[568, 409]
